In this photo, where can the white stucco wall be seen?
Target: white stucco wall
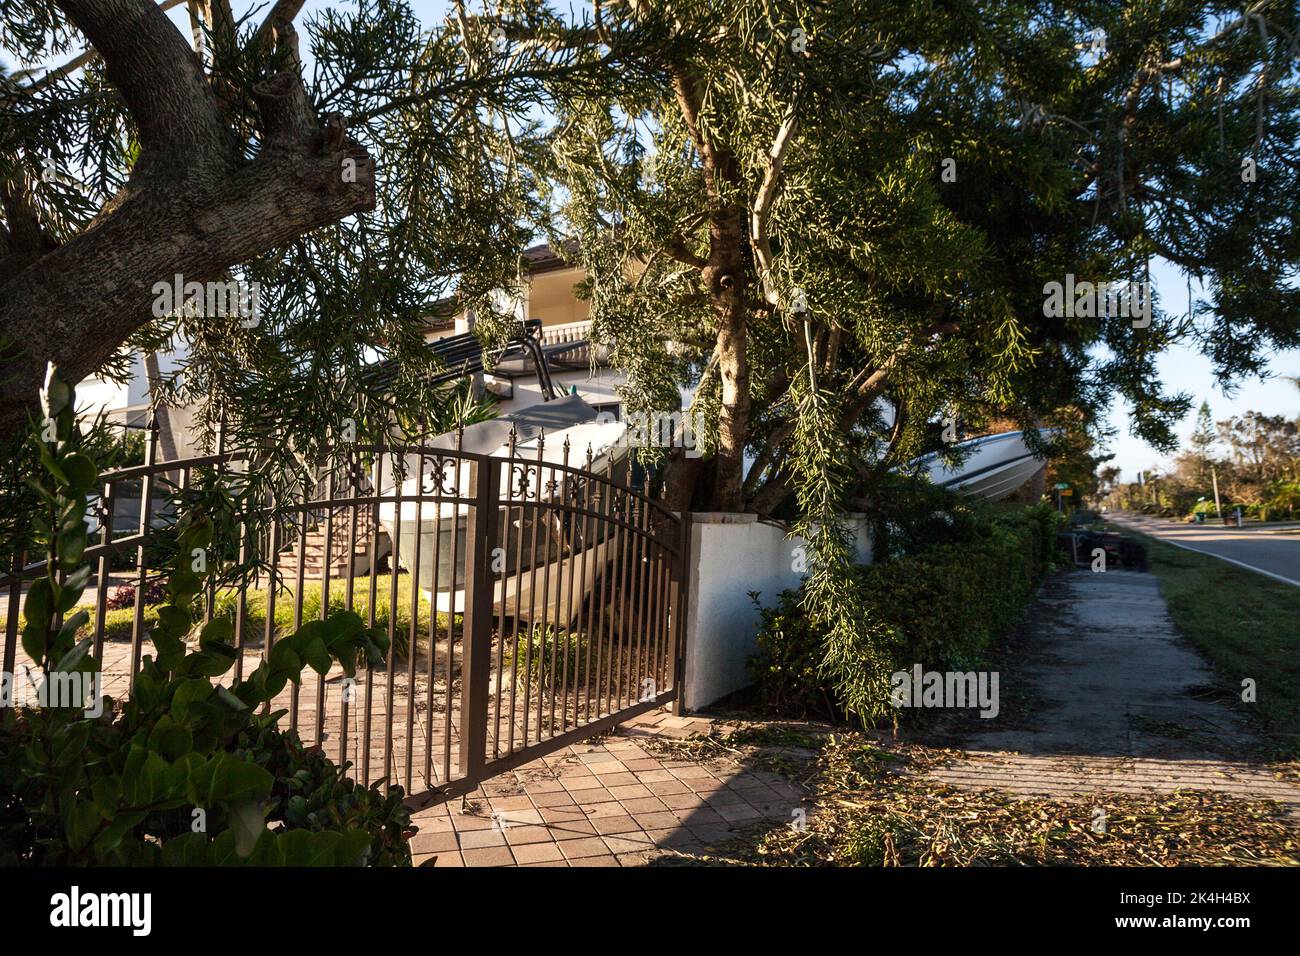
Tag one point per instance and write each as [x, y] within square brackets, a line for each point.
[731, 555]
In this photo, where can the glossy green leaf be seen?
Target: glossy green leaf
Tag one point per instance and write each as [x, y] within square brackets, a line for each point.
[187, 849]
[70, 660]
[73, 587]
[72, 545]
[284, 658]
[80, 471]
[318, 658]
[34, 642]
[38, 606]
[219, 630]
[305, 848]
[177, 620]
[170, 738]
[188, 691]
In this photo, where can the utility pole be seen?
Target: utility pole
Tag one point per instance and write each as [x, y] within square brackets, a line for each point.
[1214, 476]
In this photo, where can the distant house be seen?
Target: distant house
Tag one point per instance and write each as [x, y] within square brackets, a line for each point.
[547, 296]
[127, 404]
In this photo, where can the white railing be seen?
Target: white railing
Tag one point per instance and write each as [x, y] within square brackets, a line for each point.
[574, 332]
[568, 332]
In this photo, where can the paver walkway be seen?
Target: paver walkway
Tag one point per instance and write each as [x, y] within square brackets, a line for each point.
[608, 802]
[1119, 701]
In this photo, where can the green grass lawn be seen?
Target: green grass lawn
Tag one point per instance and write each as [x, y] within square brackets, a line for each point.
[1248, 625]
[117, 624]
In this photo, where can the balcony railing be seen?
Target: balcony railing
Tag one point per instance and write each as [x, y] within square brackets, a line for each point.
[577, 334]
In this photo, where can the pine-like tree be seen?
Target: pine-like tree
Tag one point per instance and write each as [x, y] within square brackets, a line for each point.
[837, 223]
[1203, 440]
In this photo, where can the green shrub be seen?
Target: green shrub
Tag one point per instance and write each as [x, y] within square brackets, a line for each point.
[1285, 497]
[911, 516]
[944, 607]
[788, 668]
[533, 656]
[185, 771]
[313, 793]
[948, 604]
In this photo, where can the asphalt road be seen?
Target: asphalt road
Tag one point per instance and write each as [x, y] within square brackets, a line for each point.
[1272, 551]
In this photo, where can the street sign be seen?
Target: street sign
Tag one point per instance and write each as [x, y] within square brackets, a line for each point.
[1061, 485]
[1067, 491]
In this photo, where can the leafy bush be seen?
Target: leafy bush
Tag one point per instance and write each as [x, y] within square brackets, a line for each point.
[535, 649]
[788, 668]
[943, 606]
[1285, 497]
[949, 603]
[185, 771]
[123, 596]
[313, 793]
[912, 515]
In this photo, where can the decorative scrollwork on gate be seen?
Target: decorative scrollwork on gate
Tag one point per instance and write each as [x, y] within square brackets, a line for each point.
[618, 503]
[436, 479]
[523, 484]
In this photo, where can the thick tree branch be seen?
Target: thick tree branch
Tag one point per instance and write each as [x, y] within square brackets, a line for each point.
[161, 80]
[192, 206]
[25, 240]
[688, 102]
[761, 213]
[80, 60]
[281, 15]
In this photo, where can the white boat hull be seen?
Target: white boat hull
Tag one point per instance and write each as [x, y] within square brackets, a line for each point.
[551, 590]
[993, 467]
[541, 590]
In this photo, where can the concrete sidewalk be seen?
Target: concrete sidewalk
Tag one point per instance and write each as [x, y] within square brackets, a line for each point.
[1117, 701]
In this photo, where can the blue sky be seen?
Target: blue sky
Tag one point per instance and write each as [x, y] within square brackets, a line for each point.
[1185, 370]
[1180, 369]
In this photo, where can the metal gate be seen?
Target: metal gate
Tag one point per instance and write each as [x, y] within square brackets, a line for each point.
[528, 603]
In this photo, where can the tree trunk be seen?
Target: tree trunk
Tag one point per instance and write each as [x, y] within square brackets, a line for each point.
[724, 278]
[725, 281]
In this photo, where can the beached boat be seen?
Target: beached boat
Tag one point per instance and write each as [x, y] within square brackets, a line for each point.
[991, 467]
[542, 552]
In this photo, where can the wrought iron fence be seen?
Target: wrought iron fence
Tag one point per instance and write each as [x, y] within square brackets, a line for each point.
[528, 602]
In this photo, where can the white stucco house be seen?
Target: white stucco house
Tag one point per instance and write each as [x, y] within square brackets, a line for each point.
[547, 296]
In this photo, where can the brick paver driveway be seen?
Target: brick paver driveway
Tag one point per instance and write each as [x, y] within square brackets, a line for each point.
[609, 802]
